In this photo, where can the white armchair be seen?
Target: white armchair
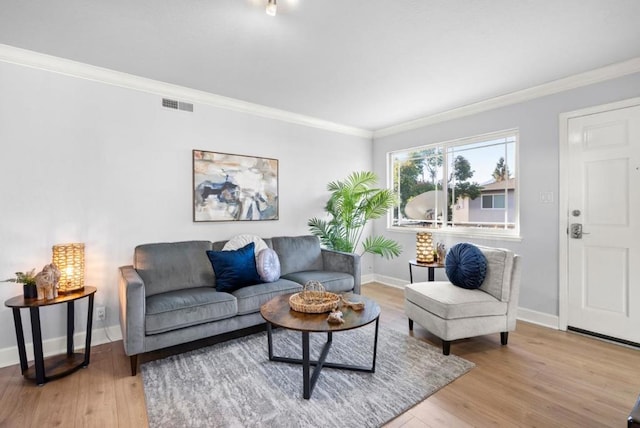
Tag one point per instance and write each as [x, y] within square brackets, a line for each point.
[451, 312]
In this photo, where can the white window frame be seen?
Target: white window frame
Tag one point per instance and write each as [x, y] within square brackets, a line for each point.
[505, 234]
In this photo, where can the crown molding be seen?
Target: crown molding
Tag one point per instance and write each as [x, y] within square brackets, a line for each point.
[27, 58]
[572, 82]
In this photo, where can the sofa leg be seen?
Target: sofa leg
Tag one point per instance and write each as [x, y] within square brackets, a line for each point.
[133, 359]
[410, 324]
[446, 347]
[504, 336]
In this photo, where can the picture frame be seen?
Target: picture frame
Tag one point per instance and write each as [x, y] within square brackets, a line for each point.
[232, 187]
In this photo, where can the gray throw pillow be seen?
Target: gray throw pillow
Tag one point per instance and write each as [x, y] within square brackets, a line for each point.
[268, 265]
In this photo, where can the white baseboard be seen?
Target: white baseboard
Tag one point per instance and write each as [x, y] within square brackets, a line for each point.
[58, 345]
[539, 318]
[365, 279]
[389, 280]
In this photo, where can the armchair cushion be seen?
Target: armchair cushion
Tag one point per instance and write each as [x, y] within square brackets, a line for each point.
[234, 269]
[450, 302]
[466, 266]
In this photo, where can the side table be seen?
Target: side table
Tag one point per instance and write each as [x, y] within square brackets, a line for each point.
[60, 365]
[431, 266]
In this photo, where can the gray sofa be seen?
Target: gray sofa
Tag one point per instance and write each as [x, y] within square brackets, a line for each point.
[168, 296]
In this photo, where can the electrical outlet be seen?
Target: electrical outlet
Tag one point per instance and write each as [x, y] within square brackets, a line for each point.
[101, 313]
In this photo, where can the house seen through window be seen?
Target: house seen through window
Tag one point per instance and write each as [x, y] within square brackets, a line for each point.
[468, 185]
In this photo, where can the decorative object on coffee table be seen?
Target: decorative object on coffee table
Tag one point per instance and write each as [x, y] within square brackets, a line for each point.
[313, 299]
[335, 317]
[356, 306]
[69, 258]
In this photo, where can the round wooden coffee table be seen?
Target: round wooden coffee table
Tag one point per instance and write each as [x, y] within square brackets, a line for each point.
[278, 312]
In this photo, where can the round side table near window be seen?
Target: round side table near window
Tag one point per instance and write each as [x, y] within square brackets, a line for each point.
[431, 266]
[44, 370]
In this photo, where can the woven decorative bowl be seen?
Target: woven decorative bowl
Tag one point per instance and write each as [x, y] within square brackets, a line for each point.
[313, 299]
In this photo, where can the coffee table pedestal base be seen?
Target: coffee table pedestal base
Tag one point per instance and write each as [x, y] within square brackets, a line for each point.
[309, 379]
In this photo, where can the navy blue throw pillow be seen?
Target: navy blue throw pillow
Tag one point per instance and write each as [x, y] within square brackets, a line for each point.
[466, 266]
[235, 269]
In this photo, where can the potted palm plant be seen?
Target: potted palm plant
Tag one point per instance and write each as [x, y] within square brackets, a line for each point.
[28, 281]
[353, 202]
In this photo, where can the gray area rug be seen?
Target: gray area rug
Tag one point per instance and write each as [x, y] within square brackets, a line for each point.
[233, 384]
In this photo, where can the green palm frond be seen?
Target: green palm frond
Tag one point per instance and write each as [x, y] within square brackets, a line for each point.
[382, 246]
[353, 202]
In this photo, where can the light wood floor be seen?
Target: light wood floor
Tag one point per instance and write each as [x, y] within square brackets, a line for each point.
[543, 378]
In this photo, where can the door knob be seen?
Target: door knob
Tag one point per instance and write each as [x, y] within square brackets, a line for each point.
[576, 231]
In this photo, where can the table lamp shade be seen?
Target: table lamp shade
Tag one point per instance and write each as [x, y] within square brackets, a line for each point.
[424, 247]
[69, 259]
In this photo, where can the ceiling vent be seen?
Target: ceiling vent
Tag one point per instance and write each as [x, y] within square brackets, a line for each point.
[177, 105]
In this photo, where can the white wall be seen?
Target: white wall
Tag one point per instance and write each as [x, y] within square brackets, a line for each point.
[538, 172]
[84, 161]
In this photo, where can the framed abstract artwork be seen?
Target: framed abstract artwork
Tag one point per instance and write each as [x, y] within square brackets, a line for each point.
[229, 187]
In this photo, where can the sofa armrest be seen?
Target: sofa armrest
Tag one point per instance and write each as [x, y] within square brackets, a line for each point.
[132, 310]
[634, 416]
[338, 261]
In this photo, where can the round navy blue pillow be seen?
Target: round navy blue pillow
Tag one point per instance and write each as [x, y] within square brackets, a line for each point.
[466, 266]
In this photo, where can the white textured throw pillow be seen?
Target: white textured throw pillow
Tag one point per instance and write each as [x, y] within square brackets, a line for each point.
[268, 265]
[240, 241]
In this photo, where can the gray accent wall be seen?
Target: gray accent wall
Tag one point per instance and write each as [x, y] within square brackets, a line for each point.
[538, 171]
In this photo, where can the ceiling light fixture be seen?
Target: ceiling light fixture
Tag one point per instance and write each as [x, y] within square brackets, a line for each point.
[272, 8]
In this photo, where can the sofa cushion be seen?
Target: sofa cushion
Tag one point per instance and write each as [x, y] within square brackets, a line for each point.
[466, 265]
[336, 282]
[234, 269]
[182, 308]
[298, 253]
[268, 265]
[447, 301]
[252, 297]
[173, 266]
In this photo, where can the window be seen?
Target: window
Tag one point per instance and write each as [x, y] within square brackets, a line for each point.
[468, 185]
[493, 202]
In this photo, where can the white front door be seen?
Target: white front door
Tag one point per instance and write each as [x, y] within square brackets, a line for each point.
[603, 219]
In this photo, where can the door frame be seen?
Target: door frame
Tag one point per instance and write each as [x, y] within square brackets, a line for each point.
[563, 200]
